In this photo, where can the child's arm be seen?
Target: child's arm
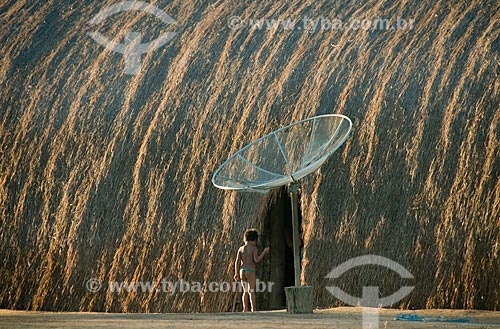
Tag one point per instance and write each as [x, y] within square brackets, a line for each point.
[237, 265]
[256, 257]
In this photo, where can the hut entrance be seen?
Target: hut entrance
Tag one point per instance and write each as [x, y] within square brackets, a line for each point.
[279, 226]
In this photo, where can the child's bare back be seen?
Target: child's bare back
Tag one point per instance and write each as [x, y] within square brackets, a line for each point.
[248, 253]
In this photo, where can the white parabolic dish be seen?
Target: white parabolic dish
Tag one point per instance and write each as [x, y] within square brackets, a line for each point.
[283, 156]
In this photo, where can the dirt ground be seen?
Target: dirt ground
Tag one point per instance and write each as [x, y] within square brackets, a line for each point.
[344, 317]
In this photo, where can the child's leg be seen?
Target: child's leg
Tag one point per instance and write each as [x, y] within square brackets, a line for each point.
[244, 299]
[245, 296]
[251, 277]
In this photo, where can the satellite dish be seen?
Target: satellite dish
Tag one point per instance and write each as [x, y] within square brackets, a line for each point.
[282, 158]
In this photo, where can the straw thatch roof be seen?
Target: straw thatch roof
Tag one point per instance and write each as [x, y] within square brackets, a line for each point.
[106, 175]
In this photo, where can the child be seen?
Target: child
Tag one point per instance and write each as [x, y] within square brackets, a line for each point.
[244, 267]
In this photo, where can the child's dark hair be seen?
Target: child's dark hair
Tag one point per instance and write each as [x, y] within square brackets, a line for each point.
[251, 235]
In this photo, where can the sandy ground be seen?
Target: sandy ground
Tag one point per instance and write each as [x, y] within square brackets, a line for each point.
[344, 317]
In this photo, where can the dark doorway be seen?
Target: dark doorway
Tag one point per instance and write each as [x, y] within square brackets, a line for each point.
[278, 225]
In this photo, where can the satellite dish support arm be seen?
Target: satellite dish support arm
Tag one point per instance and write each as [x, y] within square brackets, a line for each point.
[293, 189]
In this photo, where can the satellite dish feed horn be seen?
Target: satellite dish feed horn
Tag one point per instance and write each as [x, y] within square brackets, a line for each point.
[283, 157]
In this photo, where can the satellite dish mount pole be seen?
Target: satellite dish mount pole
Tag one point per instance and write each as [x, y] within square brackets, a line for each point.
[293, 189]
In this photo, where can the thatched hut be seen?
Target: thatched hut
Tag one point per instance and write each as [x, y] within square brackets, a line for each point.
[107, 175]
